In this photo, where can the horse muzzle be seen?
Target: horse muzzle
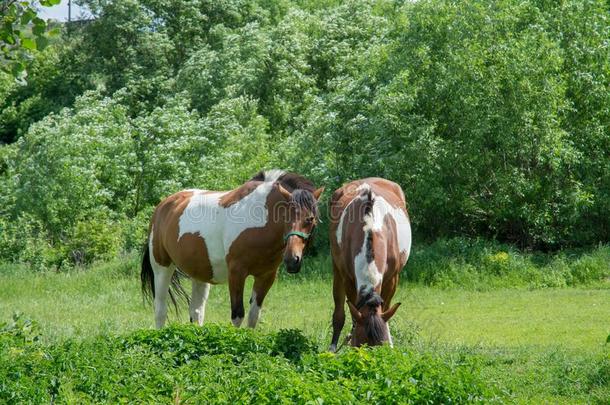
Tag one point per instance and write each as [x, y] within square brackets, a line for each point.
[293, 264]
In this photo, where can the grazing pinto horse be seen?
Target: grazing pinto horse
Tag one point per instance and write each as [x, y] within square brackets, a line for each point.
[370, 238]
[225, 236]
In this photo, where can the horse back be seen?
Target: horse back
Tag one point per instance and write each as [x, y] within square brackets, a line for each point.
[388, 220]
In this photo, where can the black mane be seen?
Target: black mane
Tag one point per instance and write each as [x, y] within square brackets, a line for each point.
[301, 188]
[371, 299]
[289, 180]
[374, 325]
[305, 200]
[292, 181]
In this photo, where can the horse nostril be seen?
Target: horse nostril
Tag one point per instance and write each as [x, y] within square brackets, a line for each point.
[293, 264]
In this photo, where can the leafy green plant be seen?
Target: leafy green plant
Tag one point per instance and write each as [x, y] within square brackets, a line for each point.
[221, 364]
[16, 40]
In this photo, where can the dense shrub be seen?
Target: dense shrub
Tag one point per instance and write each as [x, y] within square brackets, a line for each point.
[493, 116]
[227, 365]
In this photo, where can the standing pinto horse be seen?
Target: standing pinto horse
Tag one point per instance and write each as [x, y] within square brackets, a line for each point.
[370, 237]
[217, 237]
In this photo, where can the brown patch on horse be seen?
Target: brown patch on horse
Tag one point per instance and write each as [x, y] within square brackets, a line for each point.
[264, 241]
[165, 216]
[194, 257]
[238, 194]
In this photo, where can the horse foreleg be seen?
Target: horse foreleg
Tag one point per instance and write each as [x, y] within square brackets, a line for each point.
[339, 312]
[261, 287]
[163, 278]
[199, 298]
[237, 279]
[388, 289]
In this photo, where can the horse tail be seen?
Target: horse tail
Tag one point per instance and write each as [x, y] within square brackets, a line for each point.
[147, 279]
[177, 292]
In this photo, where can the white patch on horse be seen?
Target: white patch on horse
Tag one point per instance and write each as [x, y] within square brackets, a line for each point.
[363, 186]
[219, 227]
[204, 216]
[375, 221]
[367, 274]
[255, 311]
[339, 232]
[249, 212]
[199, 298]
[273, 175]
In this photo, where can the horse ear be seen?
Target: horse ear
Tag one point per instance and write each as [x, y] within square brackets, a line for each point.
[317, 193]
[390, 312]
[282, 190]
[354, 311]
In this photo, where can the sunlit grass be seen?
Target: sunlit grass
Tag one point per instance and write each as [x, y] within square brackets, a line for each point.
[106, 299]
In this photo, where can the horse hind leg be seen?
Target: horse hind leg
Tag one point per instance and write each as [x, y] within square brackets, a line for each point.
[163, 278]
[199, 299]
[339, 313]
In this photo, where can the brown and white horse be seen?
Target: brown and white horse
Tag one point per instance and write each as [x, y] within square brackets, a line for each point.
[217, 237]
[370, 240]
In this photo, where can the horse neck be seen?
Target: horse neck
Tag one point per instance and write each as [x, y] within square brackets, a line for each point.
[277, 215]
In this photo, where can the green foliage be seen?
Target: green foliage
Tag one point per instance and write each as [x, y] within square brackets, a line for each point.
[492, 116]
[18, 332]
[21, 33]
[188, 363]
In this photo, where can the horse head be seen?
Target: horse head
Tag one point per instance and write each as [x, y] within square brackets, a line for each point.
[299, 224]
[370, 321]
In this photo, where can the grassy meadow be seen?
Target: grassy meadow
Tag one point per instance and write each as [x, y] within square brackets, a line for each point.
[492, 116]
[532, 344]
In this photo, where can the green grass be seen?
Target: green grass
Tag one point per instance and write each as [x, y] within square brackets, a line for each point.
[106, 298]
[538, 344]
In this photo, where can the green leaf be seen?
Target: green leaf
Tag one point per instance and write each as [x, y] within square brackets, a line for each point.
[28, 43]
[28, 16]
[41, 43]
[608, 339]
[10, 39]
[38, 28]
[54, 32]
[17, 68]
[39, 22]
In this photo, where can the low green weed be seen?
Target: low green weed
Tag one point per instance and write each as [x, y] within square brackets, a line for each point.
[225, 365]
